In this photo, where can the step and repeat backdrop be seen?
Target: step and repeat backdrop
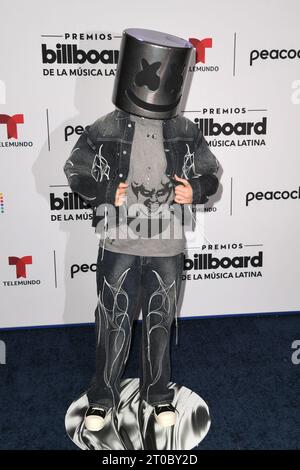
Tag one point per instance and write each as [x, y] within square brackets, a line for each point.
[58, 63]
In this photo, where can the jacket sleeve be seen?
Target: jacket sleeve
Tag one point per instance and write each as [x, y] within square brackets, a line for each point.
[206, 183]
[82, 173]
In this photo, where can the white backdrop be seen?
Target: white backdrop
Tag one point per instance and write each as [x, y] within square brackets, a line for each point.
[242, 76]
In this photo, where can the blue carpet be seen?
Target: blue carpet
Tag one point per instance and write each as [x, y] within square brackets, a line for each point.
[240, 366]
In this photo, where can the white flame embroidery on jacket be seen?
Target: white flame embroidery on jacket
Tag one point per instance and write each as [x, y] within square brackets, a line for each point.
[100, 167]
[188, 164]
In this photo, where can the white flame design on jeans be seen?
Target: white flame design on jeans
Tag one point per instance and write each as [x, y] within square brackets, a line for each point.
[165, 311]
[114, 318]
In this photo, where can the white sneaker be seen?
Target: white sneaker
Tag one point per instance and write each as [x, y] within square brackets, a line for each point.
[94, 419]
[165, 414]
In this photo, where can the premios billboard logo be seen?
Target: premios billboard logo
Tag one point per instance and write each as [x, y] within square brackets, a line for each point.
[223, 263]
[79, 54]
[232, 126]
[68, 207]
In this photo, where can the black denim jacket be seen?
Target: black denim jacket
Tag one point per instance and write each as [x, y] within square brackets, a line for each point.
[100, 159]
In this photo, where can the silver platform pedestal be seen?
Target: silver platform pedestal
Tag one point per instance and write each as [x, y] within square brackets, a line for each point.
[134, 426]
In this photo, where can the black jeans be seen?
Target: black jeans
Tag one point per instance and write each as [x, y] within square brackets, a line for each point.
[124, 284]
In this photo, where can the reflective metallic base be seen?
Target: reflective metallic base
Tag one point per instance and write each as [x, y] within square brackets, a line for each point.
[134, 426]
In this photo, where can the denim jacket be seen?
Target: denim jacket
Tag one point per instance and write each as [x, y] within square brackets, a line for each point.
[100, 159]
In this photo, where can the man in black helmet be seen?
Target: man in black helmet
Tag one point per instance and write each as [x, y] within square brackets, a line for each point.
[140, 167]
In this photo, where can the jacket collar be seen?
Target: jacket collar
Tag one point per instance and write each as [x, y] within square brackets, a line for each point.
[121, 114]
[168, 128]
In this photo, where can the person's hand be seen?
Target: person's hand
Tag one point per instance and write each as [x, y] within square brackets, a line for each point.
[120, 194]
[183, 192]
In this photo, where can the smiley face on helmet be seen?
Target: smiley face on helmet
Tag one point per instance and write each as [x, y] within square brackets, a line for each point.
[151, 73]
